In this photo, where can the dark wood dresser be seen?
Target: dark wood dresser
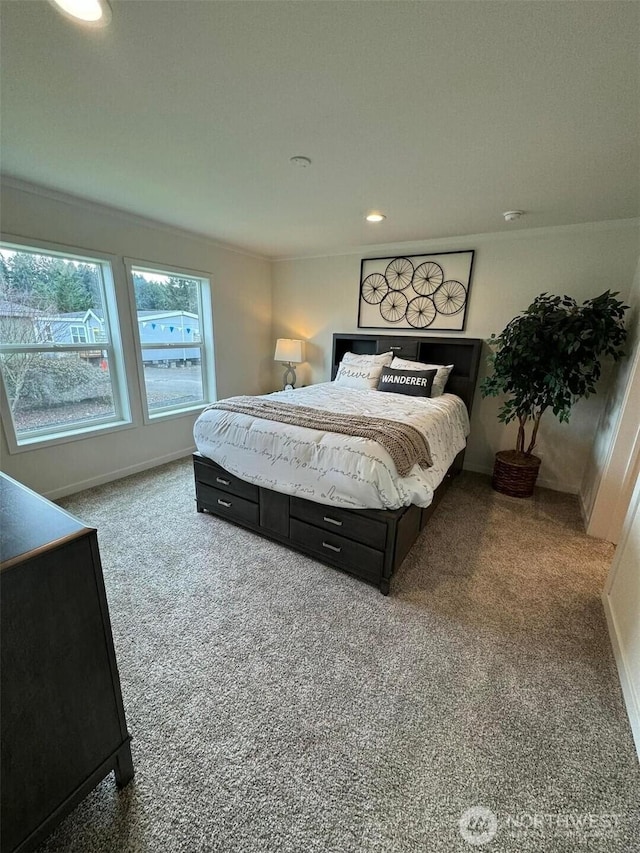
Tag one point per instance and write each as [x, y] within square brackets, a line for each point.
[62, 717]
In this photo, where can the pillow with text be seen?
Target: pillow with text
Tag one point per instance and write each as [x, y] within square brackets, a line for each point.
[415, 383]
[362, 371]
[442, 375]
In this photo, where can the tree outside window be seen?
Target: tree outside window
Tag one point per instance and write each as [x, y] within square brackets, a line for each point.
[54, 378]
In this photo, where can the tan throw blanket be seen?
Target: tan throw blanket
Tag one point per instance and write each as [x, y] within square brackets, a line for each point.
[405, 444]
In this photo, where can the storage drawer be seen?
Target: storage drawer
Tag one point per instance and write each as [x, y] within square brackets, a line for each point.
[213, 475]
[227, 505]
[357, 527]
[341, 552]
[402, 347]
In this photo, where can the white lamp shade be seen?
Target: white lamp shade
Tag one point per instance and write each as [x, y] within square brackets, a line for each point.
[289, 350]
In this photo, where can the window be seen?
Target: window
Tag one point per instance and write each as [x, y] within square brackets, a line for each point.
[56, 384]
[78, 335]
[175, 341]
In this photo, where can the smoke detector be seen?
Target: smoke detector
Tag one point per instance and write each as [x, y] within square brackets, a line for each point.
[299, 160]
[512, 215]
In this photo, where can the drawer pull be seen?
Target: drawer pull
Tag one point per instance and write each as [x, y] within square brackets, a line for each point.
[224, 503]
[224, 482]
[331, 547]
[332, 521]
[394, 348]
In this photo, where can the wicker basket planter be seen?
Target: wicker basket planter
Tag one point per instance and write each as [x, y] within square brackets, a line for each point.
[515, 473]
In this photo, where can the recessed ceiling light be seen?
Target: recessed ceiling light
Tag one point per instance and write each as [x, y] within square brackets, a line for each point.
[93, 13]
[375, 217]
[301, 161]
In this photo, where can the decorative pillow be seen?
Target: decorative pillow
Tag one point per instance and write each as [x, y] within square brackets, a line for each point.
[416, 383]
[381, 358]
[441, 377]
[362, 371]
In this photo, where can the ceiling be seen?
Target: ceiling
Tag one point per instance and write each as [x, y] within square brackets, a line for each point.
[440, 114]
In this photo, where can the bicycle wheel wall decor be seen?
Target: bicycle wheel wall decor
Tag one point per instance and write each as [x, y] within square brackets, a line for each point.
[415, 291]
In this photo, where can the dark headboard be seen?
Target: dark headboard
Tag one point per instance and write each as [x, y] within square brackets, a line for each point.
[463, 353]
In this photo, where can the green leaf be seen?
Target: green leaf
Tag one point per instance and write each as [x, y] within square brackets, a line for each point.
[549, 355]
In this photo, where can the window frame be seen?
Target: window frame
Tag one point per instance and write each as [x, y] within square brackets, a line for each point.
[122, 418]
[205, 344]
[75, 329]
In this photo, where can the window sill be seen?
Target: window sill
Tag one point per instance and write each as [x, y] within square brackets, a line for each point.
[169, 414]
[65, 436]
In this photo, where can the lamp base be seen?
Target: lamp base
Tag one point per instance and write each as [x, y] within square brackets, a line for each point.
[289, 378]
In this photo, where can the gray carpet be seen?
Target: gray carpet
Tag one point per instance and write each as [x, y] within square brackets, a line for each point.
[279, 705]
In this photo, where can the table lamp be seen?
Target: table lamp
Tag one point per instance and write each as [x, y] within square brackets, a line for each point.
[289, 351]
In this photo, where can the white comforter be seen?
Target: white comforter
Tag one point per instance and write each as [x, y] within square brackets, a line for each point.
[334, 469]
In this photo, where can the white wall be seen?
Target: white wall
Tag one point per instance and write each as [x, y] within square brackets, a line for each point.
[622, 605]
[612, 465]
[314, 297]
[241, 292]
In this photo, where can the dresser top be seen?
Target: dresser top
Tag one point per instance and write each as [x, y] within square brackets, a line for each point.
[30, 523]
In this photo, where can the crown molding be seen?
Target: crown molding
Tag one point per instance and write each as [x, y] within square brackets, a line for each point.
[443, 243]
[368, 249]
[21, 185]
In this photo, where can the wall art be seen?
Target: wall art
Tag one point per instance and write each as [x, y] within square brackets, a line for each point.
[415, 291]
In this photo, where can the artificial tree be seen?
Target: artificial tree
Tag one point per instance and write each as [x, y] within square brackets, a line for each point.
[548, 357]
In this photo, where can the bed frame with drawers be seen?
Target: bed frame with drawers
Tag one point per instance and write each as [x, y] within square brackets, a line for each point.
[368, 543]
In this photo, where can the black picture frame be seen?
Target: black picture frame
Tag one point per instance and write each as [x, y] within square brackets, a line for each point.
[421, 293]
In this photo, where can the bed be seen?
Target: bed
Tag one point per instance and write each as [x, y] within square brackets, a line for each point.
[334, 497]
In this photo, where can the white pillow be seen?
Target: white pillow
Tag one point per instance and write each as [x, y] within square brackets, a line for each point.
[441, 376]
[362, 371]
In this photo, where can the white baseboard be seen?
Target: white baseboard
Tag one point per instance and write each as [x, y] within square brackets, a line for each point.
[541, 481]
[631, 699]
[583, 511]
[81, 485]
